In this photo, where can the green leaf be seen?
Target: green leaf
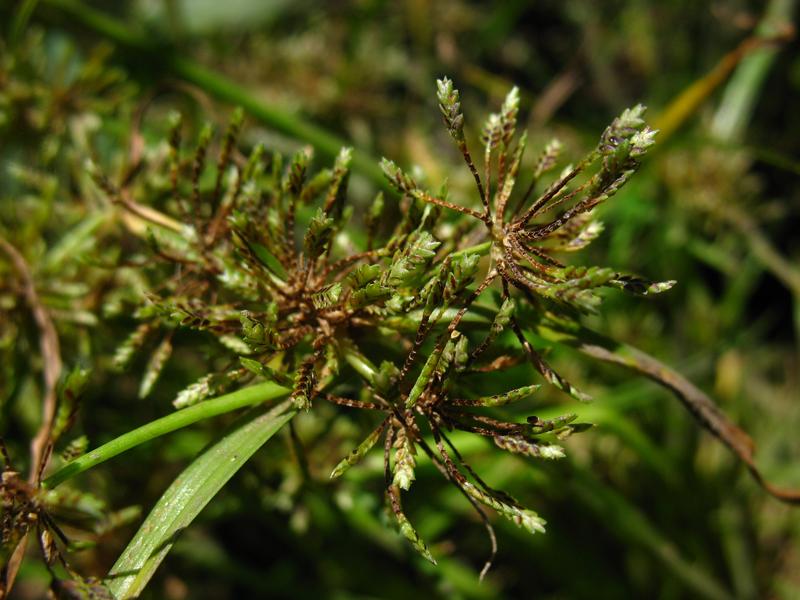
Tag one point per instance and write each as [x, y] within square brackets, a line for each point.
[188, 495]
[248, 396]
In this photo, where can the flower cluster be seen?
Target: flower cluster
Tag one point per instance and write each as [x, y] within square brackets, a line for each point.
[263, 257]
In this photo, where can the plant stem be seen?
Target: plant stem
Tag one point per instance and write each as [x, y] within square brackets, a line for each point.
[699, 404]
[248, 396]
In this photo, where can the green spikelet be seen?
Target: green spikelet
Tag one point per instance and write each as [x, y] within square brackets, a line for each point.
[318, 235]
[70, 390]
[360, 451]
[405, 526]
[75, 448]
[460, 274]
[501, 399]
[410, 264]
[154, 366]
[327, 297]
[521, 446]
[537, 426]
[401, 181]
[296, 174]
[510, 178]
[428, 369]
[199, 161]
[259, 335]
[523, 517]
[450, 107]
[207, 386]
[372, 293]
[373, 216]
[501, 319]
[234, 344]
[127, 350]
[335, 199]
[363, 275]
[492, 133]
[231, 134]
[548, 159]
[404, 462]
[194, 393]
[640, 286]
[315, 186]
[386, 378]
[508, 116]
[448, 355]
[460, 354]
[563, 433]
[579, 233]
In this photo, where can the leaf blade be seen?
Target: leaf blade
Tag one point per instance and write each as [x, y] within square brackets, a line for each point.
[188, 495]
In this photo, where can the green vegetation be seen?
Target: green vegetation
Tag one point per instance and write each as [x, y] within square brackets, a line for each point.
[242, 357]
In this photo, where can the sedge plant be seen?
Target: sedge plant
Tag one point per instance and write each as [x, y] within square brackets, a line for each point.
[395, 309]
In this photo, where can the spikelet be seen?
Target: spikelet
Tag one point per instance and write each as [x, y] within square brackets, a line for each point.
[75, 448]
[154, 366]
[410, 264]
[428, 369]
[519, 445]
[404, 462]
[127, 350]
[358, 453]
[523, 517]
[450, 106]
[406, 528]
[500, 399]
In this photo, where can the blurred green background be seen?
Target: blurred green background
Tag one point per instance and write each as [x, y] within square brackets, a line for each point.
[647, 505]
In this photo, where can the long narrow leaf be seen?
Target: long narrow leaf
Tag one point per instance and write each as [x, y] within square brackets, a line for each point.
[248, 396]
[188, 495]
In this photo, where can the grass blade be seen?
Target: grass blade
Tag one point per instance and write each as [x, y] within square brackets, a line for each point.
[188, 495]
[248, 396]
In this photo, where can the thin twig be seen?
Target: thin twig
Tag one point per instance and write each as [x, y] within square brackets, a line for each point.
[51, 357]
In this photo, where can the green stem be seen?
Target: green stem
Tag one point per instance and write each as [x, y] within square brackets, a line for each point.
[699, 404]
[218, 86]
[255, 394]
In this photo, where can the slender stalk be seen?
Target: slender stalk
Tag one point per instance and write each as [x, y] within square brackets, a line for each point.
[255, 394]
[50, 350]
[700, 405]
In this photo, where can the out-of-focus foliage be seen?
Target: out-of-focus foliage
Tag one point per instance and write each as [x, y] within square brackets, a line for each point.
[645, 504]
